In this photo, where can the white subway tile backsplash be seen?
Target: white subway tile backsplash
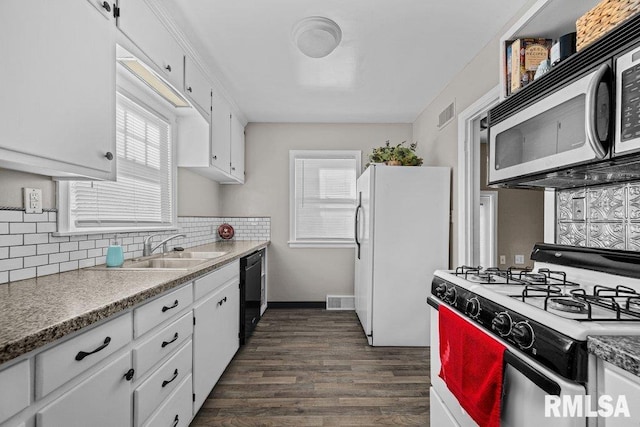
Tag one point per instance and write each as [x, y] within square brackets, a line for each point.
[10, 264]
[25, 273]
[48, 269]
[22, 251]
[11, 239]
[34, 239]
[68, 247]
[68, 266]
[34, 251]
[11, 216]
[48, 248]
[59, 257]
[36, 261]
[41, 217]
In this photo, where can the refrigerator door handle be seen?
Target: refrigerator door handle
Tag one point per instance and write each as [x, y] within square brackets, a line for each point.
[356, 223]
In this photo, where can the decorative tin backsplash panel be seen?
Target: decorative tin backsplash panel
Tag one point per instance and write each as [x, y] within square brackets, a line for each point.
[600, 217]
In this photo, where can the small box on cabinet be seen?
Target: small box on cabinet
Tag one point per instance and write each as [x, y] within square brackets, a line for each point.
[526, 56]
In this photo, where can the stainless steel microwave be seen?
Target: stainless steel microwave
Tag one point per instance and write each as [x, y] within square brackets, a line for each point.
[627, 131]
[568, 127]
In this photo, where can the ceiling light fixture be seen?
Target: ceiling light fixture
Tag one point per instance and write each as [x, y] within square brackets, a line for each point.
[316, 36]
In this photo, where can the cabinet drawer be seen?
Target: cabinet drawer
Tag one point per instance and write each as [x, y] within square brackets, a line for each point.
[61, 363]
[102, 400]
[213, 281]
[157, 311]
[15, 389]
[161, 344]
[159, 386]
[176, 411]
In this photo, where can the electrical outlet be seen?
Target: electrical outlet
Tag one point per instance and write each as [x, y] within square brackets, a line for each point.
[503, 259]
[32, 200]
[519, 259]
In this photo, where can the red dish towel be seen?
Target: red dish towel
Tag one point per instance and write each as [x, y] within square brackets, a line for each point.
[472, 364]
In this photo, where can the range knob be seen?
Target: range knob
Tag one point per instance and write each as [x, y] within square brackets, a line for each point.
[523, 334]
[472, 308]
[451, 295]
[502, 323]
[440, 290]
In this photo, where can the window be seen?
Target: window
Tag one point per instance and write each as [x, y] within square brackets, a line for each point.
[142, 196]
[323, 197]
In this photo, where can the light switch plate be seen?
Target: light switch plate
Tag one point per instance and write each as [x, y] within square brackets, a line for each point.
[32, 200]
[519, 259]
[503, 259]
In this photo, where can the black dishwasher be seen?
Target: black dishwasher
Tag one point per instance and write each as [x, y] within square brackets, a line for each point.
[250, 293]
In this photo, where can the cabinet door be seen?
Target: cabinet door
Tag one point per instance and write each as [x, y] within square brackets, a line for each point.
[58, 86]
[220, 133]
[237, 149]
[143, 27]
[215, 339]
[197, 87]
[619, 384]
[102, 400]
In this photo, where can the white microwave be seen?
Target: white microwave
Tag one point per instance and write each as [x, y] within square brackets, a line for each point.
[564, 129]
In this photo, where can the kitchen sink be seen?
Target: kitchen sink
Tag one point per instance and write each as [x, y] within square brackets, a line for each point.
[165, 263]
[200, 255]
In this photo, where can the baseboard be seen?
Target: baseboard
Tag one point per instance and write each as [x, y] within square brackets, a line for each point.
[298, 304]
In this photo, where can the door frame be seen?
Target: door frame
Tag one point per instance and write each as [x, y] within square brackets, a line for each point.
[493, 235]
[469, 175]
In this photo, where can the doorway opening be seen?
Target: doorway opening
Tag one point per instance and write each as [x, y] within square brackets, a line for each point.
[492, 234]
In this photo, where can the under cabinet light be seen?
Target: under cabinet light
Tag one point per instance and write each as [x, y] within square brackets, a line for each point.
[153, 81]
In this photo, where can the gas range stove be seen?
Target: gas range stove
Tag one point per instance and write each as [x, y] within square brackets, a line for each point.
[548, 311]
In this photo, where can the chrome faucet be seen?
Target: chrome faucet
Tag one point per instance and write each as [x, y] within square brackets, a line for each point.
[148, 249]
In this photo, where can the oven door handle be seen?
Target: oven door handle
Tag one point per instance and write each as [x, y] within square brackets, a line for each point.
[601, 76]
[538, 378]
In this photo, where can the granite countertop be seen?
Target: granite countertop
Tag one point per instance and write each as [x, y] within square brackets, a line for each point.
[38, 311]
[622, 351]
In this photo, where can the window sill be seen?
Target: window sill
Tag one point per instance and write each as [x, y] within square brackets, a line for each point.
[113, 230]
[324, 244]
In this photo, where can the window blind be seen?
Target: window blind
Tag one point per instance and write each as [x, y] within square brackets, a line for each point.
[142, 194]
[324, 196]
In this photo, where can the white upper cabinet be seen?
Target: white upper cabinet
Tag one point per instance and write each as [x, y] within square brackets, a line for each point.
[197, 87]
[140, 24]
[237, 149]
[58, 87]
[221, 133]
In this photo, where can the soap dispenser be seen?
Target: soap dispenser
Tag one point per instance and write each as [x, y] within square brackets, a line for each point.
[115, 255]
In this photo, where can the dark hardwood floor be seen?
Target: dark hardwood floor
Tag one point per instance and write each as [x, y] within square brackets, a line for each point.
[312, 367]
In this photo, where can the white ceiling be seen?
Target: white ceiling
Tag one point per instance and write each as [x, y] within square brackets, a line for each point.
[394, 58]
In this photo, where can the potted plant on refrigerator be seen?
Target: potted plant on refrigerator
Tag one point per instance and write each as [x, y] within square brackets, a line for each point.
[398, 155]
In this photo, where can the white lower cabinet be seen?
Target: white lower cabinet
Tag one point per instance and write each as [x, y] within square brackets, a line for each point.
[102, 400]
[162, 383]
[15, 389]
[215, 338]
[176, 411]
[617, 384]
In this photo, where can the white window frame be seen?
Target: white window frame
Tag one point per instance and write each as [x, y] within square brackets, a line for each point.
[66, 226]
[318, 154]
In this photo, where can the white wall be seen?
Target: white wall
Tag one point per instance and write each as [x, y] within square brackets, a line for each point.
[197, 195]
[439, 146]
[12, 182]
[299, 274]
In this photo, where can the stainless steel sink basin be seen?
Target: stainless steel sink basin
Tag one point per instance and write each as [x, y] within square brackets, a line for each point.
[165, 263]
[200, 255]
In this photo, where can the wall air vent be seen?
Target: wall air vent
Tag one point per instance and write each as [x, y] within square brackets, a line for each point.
[341, 302]
[446, 115]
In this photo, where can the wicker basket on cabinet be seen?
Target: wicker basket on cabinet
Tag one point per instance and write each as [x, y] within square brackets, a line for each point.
[604, 17]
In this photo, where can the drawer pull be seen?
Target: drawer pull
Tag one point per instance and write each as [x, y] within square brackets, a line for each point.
[82, 354]
[129, 375]
[176, 420]
[175, 375]
[222, 301]
[166, 343]
[165, 308]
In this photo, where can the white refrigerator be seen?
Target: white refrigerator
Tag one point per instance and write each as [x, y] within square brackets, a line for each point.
[402, 237]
